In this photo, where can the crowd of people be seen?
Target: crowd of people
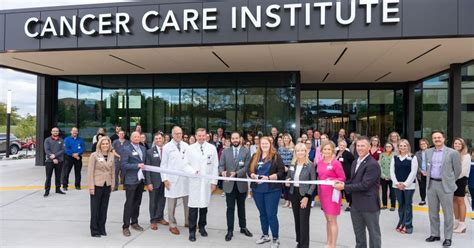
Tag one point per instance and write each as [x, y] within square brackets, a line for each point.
[360, 168]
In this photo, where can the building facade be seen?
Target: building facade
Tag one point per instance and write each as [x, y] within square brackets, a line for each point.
[372, 67]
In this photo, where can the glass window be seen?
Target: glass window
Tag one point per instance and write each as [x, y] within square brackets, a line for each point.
[440, 82]
[250, 114]
[467, 104]
[166, 99]
[67, 102]
[90, 113]
[330, 111]
[140, 104]
[309, 108]
[381, 113]
[435, 105]
[222, 102]
[114, 103]
[281, 109]
[193, 102]
[355, 111]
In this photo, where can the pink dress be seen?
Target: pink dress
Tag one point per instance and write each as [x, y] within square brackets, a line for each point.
[333, 171]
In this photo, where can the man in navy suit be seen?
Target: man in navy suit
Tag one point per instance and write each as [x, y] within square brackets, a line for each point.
[132, 159]
[364, 188]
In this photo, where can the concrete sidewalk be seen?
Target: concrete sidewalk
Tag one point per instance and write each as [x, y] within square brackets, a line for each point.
[29, 220]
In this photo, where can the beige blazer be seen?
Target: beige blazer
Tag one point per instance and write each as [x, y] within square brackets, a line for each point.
[100, 171]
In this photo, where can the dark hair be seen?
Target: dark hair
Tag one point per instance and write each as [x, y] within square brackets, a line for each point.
[235, 132]
[361, 138]
[437, 131]
[159, 133]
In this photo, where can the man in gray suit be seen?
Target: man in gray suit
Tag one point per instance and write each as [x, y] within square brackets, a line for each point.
[154, 183]
[234, 162]
[444, 167]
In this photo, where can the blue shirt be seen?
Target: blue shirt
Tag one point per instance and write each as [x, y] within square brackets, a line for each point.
[286, 156]
[263, 169]
[437, 163]
[74, 145]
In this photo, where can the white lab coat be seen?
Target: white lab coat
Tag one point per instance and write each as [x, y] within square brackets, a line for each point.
[173, 159]
[203, 162]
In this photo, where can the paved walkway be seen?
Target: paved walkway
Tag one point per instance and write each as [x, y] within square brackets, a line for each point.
[29, 220]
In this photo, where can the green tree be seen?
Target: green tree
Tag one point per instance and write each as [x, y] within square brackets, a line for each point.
[3, 115]
[26, 127]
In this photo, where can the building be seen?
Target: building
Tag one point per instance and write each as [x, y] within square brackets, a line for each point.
[367, 66]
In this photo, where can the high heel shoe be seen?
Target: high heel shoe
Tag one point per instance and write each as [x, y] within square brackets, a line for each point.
[461, 228]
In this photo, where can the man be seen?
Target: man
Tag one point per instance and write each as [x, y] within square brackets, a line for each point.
[132, 159]
[364, 187]
[186, 138]
[200, 159]
[154, 184]
[316, 141]
[444, 167]
[235, 162]
[176, 187]
[309, 132]
[118, 146]
[115, 136]
[138, 128]
[54, 153]
[340, 135]
[74, 147]
[274, 132]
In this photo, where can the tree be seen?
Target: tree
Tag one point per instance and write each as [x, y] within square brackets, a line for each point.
[26, 127]
[3, 115]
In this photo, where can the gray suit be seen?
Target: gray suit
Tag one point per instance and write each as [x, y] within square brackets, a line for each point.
[239, 165]
[442, 192]
[157, 195]
[236, 192]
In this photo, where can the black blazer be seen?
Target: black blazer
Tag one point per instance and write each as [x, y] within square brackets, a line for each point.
[277, 167]
[153, 158]
[347, 159]
[364, 185]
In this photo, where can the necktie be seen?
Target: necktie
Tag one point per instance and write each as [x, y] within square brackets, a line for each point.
[161, 152]
[178, 146]
[236, 153]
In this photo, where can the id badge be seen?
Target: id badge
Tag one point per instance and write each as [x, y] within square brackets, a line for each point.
[209, 159]
[135, 153]
[156, 155]
[101, 159]
[292, 168]
[341, 159]
[241, 163]
[329, 167]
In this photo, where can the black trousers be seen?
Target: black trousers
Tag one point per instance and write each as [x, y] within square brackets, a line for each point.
[301, 216]
[50, 167]
[387, 186]
[157, 203]
[193, 218]
[231, 199]
[99, 206]
[422, 183]
[348, 197]
[119, 175]
[133, 199]
[68, 164]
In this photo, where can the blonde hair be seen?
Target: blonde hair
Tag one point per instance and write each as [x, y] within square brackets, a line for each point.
[404, 141]
[291, 145]
[99, 143]
[300, 146]
[271, 153]
[331, 145]
[463, 150]
[398, 137]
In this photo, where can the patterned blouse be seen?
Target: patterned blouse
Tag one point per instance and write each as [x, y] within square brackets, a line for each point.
[286, 155]
[384, 162]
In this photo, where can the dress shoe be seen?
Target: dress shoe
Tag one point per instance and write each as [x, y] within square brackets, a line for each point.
[447, 243]
[461, 228]
[60, 192]
[46, 194]
[137, 227]
[203, 232]
[192, 237]
[246, 232]
[154, 226]
[422, 203]
[348, 209]
[392, 209]
[103, 233]
[78, 187]
[228, 236]
[163, 222]
[96, 235]
[432, 239]
[126, 232]
[174, 230]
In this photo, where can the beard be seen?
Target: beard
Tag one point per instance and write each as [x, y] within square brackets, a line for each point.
[235, 144]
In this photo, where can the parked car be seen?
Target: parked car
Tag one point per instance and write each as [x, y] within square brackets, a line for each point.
[29, 144]
[15, 145]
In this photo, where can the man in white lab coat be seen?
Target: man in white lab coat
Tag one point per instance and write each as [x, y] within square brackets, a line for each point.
[201, 159]
[176, 187]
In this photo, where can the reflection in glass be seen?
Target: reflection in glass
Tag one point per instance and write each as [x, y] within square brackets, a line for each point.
[250, 114]
[67, 100]
[435, 105]
[90, 113]
[140, 104]
[281, 109]
[467, 104]
[309, 108]
[114, 103]
[222, 109]
[381, 113]
[330, 111]
[355, 111]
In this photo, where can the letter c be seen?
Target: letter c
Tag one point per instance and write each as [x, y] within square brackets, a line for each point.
[27, 24]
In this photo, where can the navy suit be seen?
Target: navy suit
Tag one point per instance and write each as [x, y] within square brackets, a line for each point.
[133, 187]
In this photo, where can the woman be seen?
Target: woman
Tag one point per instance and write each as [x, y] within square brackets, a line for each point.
[394, 138]
[285, 150]
[317, 157]
[101, 131]
[249, 138]
[385, 182]
[94, 145]
[375, 149]
[422, 169]
[143, 141]
[459, 206]
[346, 158]
[304, 137]
[247, 144]
[279, 142]
[312, 151]
[330, 169]
[167, 138]
[403, 170]
[352, 146]
[192, 139]
[266, 164]
[301, 169]
[101, 181]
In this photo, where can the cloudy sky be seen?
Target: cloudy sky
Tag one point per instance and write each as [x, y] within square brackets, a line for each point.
[23, 85]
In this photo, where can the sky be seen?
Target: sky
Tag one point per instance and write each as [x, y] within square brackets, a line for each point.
[23, 85]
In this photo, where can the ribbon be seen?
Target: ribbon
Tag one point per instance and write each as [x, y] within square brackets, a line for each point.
[335, 195]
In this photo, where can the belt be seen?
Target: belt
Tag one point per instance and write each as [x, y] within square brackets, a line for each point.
[436, 179]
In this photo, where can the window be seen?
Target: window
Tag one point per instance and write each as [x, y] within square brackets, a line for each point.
[67, 102]
[467, 104]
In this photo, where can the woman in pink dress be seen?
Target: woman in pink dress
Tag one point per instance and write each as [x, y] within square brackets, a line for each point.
[331, 169]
